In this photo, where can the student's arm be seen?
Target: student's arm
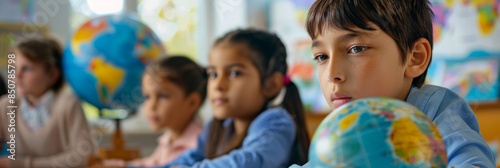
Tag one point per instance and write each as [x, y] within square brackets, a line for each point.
[268, 144]
[460, 130]
[79, 145]
[191, 156]
[150, 161]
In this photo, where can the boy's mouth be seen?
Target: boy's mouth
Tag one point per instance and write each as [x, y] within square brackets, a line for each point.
[154, 119]
[338, 100]
[219, 101]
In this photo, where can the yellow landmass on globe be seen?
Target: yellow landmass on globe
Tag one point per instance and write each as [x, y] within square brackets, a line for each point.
[435, 133]
[348, 121]
[108, 77]
[410, 144]
[150, 54]
[86, 32]
[147, 52]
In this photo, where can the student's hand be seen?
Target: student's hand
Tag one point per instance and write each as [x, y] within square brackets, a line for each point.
[4, 162]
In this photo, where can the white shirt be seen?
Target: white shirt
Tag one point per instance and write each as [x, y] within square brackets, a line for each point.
[36, 116]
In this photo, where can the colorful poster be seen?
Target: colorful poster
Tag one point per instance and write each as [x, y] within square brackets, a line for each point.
[467, 48]
[287, 19]
[462, 27]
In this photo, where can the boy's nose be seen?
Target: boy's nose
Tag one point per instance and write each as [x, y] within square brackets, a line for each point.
[18, 73]
[151, 106]
[335, 72]
[337, 79]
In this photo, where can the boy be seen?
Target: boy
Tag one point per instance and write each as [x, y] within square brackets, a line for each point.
[382, 48]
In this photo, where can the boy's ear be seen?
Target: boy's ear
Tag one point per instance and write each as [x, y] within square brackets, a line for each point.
[194, 101]
[54, 75]
[273, 85]
[417, 60]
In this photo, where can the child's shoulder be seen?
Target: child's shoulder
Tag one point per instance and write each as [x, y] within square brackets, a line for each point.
[435, 100]
[271, 117]
[432, 93]
[67, 96]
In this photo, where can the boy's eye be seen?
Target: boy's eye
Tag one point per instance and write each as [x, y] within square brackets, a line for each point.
[211, 75]
[320, 58]
[163, 96]
[146, 97]
[26, 69]
[234, 73]
[357, 49]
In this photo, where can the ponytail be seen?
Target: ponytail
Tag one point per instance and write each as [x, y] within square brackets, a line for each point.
[293, 104]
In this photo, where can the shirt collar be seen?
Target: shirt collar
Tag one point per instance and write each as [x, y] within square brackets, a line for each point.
[45, 101]
[413, 90]
[190, 133]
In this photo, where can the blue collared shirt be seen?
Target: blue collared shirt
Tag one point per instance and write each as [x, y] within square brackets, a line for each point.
[457, 124]
[268, 143]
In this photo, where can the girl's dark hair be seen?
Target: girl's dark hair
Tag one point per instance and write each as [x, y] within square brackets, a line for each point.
[270, 57]
[43, 50]
[181, 71]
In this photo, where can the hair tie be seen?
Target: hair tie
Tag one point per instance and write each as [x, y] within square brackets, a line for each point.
[286, 80]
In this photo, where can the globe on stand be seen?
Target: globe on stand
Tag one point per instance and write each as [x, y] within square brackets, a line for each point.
[103, 62]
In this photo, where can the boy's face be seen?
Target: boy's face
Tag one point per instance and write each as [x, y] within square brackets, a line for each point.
[32, 79]
[359, 64]
[165, 103]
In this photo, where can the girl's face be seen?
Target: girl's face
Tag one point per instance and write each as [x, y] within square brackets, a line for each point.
[32, 79]
[165, 104]
[234, 86]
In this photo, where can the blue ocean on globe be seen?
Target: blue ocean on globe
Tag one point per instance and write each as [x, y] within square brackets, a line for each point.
[105, 58]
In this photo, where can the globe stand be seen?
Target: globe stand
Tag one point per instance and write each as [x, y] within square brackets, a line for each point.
[118, 149]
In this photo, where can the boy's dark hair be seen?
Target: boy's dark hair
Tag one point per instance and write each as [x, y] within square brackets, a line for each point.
[181, 71]
[43, 50]
[405, 21]
[269, 56]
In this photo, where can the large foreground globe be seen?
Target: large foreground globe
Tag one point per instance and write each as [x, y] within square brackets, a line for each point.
[377, 132]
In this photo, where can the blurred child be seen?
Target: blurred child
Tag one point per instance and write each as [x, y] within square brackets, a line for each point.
[174, 89]
[255, 105]
[50, 127]
[3, 144]
[382, 48]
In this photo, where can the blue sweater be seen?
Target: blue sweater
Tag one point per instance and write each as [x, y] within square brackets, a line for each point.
[457, 124]
[268, 143]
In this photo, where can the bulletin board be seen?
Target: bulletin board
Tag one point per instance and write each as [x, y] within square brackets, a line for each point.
[466, 53]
